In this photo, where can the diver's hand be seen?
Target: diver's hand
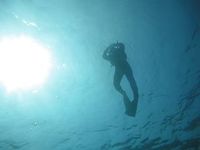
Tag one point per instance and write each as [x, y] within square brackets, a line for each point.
[106, 53]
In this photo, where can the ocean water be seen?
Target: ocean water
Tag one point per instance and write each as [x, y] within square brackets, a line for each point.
[77, 108]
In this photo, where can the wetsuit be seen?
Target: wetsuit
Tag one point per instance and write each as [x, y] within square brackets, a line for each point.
[116, 55]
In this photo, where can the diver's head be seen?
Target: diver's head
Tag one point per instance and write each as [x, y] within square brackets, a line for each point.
[119, 46]
[116, 46]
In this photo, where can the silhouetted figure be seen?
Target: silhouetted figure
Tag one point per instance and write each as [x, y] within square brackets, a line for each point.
[115, 53]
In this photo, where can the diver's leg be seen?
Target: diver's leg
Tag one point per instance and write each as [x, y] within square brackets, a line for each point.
[117, 79]
[130, 78]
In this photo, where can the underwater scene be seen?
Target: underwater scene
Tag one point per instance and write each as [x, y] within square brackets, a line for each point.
[100, 75]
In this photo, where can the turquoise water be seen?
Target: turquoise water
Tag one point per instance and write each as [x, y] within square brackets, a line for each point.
[78, 108]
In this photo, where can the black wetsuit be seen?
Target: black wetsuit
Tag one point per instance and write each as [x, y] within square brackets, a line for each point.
[117, 58]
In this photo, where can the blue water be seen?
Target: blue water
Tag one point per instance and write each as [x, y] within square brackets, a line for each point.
[78, 107]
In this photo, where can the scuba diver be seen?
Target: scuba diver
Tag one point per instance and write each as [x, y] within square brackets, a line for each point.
[115, 54]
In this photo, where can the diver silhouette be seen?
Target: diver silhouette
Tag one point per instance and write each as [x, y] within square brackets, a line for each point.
[115, 53]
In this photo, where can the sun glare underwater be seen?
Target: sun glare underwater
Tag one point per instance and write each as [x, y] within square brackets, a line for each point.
[24, 63]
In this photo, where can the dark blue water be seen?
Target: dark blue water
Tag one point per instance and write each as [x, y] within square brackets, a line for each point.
[78, 107]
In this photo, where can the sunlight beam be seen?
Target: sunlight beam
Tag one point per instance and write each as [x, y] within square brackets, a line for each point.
[24, 63]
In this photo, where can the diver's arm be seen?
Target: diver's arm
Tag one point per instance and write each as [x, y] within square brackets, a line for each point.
[106, 54]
